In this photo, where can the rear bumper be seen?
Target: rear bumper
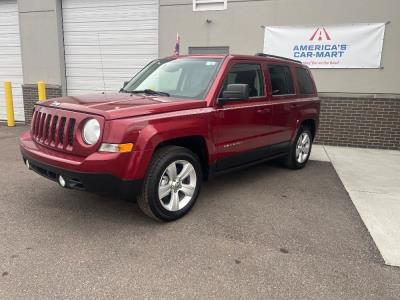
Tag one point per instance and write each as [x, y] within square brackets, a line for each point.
[92, 182]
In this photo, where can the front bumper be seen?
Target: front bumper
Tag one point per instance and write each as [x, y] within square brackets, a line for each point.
[92, 182]
[106, 173]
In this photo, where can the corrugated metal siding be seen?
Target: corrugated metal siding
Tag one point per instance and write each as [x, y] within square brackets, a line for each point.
[10, 58]
[114, 39]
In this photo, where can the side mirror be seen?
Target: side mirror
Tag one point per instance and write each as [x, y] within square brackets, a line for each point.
[235, 92]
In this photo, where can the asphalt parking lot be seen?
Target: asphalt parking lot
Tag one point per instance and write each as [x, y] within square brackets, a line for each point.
[265, 232]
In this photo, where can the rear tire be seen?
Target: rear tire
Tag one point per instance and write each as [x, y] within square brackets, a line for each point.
[172, 184]
[300, 150]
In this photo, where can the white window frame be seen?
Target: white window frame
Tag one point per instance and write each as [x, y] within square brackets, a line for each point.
[201, 5]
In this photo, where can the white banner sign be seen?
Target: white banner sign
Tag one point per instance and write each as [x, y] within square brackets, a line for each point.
[330, 46]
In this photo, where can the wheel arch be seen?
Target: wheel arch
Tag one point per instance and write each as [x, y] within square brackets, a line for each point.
[311, 124]
[195, 143]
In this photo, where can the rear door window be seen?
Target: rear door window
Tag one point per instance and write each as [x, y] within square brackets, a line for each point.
[281, 80]
[304, 81]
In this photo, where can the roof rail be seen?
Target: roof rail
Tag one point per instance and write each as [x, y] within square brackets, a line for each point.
[276, 56]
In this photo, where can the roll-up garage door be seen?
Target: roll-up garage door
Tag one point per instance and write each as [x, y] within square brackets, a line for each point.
[107, 41]
[10, 58]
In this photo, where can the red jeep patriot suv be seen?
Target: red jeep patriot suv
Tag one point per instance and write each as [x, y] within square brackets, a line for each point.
[179, 121]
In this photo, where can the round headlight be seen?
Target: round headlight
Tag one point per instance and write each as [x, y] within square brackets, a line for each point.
[91, 131]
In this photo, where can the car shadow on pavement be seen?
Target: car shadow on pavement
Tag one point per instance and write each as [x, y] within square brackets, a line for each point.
[126, 210]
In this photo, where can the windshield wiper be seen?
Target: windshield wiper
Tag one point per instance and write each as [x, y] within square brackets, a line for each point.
[150, 92]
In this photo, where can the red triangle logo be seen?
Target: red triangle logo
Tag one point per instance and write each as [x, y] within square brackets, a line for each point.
[320, 34]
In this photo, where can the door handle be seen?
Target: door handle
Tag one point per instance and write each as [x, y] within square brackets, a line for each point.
[263, 110]
[294, 105]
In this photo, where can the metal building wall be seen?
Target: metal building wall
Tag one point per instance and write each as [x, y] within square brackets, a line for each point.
[10, 57]
[106, 42]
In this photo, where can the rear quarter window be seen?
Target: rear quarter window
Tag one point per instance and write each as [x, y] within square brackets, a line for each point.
[304, 81]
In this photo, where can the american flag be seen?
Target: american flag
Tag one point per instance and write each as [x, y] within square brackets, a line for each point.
[176, 50]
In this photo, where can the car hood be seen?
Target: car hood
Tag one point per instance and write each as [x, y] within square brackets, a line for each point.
[122, 105]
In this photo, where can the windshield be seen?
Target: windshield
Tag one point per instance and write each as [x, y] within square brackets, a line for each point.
[182, 78]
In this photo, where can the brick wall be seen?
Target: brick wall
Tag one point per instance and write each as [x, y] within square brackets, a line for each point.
[360, 122]
[30, 95]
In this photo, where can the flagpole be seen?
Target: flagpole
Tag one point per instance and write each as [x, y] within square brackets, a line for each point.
[177, 45]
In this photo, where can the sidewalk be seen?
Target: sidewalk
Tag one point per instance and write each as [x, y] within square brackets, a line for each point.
[372, 179]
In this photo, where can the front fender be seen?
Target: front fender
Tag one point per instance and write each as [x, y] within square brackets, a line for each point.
[163, 130]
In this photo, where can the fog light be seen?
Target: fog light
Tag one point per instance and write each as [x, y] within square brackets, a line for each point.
[62, 181]
[28, 164]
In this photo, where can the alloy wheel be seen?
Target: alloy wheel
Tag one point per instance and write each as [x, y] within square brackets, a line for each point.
[303, 146]
[177, 185]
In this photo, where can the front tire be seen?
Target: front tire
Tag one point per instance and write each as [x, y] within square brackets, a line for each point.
[301, 149]
[172, 184]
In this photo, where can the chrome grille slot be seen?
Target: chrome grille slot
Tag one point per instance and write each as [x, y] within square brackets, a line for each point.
[53, 130]
[33, 122]
[36, 124]
[71, 128]
[41, 125]
[37, 120]
[61, 130]
[47, 128]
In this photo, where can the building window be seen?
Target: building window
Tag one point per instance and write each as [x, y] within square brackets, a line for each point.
[224, 50]
[203, 5]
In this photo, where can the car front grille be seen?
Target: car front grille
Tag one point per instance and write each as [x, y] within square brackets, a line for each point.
[60, 129]
[53, 130]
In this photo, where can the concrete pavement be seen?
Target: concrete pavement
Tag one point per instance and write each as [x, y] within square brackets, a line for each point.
[372, 179]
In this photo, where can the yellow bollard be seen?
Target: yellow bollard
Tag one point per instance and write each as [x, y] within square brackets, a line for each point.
[9, 103]
[41, 90]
